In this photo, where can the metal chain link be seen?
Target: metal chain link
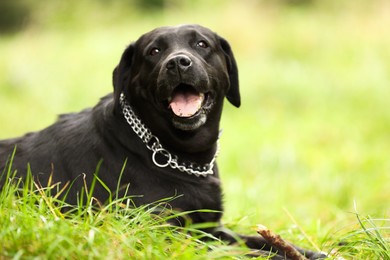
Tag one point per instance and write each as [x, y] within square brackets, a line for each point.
[153, 144]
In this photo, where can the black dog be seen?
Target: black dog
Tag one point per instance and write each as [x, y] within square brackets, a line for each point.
[163, 120]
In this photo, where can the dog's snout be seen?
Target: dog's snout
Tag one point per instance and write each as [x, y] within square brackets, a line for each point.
[181, 62]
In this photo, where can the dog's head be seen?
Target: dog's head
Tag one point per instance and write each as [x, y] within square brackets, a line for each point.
[177, 78]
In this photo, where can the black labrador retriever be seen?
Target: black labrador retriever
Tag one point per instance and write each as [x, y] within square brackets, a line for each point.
[162, 120]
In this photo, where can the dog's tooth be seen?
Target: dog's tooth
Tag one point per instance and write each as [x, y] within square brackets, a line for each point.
[200, 100]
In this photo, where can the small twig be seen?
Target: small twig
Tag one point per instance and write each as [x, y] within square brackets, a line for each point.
[278, 242]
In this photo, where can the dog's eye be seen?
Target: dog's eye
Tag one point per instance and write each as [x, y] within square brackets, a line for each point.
[154, 51]
[202, 44]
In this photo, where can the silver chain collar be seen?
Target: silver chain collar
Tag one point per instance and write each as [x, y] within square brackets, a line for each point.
[153, 144]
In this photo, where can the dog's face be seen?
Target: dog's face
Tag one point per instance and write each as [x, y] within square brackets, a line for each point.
[177, 77]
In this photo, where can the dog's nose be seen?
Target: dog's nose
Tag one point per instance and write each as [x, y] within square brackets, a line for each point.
[181, 62]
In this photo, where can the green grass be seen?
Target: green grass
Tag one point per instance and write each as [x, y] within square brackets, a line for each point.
[34, 225]
[367, 240]
[310, 141]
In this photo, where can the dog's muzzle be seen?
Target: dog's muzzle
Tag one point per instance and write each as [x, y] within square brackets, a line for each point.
[184, 82]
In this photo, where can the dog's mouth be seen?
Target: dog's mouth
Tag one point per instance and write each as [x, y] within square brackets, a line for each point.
[185, 101]
[188, 106]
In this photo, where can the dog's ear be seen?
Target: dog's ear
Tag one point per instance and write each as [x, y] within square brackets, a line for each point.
[121, 74]
[233, 93]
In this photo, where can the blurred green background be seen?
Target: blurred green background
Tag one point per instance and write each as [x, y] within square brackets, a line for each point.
[313, 134]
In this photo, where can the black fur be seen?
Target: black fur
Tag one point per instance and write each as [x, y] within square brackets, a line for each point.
[76, 143]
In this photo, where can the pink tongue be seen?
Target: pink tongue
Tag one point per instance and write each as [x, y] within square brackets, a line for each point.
[186, 104]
